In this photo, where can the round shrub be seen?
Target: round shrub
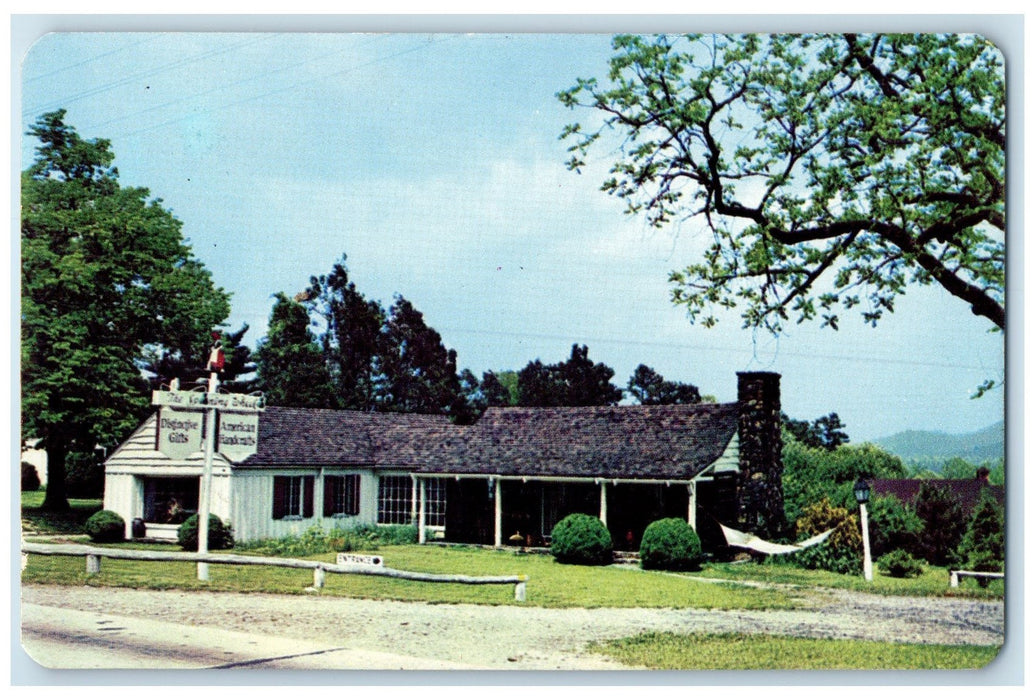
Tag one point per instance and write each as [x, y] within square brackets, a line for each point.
[671, 545]
[220, 536]
[581, 539]
[900, 564]
[105, 526]
[30, 477]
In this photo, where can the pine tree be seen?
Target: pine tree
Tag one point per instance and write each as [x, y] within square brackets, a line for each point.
[983, 544]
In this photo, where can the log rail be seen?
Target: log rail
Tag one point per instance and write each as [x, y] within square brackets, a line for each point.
[93, 565]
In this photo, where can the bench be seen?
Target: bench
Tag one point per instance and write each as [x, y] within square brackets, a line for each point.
[954, 576]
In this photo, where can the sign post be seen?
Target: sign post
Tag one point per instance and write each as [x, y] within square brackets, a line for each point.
[205, 497]
[237, 432]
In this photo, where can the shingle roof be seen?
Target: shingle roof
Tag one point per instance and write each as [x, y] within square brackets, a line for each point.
[614, 441]
[658, 442]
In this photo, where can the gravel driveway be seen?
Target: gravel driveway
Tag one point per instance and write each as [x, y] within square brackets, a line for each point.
[525, 637]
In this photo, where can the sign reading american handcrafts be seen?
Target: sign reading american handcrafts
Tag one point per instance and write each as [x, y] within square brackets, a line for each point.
[179, 433]
[238, 436]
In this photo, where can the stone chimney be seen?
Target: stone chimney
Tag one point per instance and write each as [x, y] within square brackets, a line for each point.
[760, 484]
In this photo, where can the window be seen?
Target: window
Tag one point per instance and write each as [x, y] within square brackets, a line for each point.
[394, 498]
[341, 495]
[434, 502]
[395, 504]
[292, 497]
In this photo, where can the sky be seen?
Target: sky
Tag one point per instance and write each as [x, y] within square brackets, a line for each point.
[433, 162]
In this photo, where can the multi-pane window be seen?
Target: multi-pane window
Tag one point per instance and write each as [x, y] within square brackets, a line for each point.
[292, 497]
[435, 502]
[395, 505]
[341, 495]
[394, 500]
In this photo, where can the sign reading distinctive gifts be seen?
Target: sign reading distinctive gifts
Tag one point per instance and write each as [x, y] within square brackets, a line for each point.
[179, 432]
[238, 436]
[182, 415]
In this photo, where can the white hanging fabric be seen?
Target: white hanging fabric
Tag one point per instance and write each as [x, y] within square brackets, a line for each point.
[736, 538]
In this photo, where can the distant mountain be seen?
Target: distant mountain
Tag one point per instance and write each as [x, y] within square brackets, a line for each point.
[922, 444]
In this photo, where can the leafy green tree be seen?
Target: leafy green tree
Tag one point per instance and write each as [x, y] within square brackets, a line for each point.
[893, 526]
[825, 432]
[833, 170]
[495, 392]
[352, 339]
[651, 389]
[813, 473]
[983, 547]
[943, 523]
[105, 273]
[291, 367]
[420, 374]
[578, 381]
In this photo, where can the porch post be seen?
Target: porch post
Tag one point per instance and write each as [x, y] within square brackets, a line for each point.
[413, 499]
[423, 515]
[498, 498]
[691, 509]
[603, 502]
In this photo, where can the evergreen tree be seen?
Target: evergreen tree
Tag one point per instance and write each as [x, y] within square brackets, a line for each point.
[651, 389]
[576, 382]
[419, 373]
[291, 367]
[943, 523]
[352, 340]
[983, 547]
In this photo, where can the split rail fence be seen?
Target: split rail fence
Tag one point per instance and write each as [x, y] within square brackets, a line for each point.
[320, 569]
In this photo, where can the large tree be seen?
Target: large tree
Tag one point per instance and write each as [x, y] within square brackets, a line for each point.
[419, 372]
[832, 170]
[578, 381]
[651, 389]
[105, 272]
[291, 366]
[352, 338]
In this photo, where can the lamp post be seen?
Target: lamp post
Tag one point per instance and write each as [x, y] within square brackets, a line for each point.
[862, 495]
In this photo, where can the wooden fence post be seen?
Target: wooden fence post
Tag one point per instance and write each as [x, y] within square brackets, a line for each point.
[318, 577]
[93, 563]
[519, 591]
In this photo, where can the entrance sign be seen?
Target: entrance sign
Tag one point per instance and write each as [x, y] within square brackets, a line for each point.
[179, 433]
[361, 559]
[238, 435]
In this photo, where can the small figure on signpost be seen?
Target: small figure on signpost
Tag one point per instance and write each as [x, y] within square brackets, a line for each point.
[216, 358]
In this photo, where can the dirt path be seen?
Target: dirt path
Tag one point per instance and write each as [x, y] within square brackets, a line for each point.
[522, 637]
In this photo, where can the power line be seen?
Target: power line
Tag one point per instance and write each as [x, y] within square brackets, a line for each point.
[27, 111]
[284, 89]
[220, 88]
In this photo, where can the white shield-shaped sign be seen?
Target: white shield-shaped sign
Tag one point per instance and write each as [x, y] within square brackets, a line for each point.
[238, 435]
[179, 432]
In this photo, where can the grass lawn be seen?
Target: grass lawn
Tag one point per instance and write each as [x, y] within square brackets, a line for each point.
[550, 585]
[667, 651]
[933, 582]
[35, 519]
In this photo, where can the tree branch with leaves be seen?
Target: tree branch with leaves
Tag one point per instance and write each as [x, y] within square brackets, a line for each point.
[832, 171]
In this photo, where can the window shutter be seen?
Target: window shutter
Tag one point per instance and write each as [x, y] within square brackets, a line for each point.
[279, 497]
[329, 484]
[353, 492]
[307, 498]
